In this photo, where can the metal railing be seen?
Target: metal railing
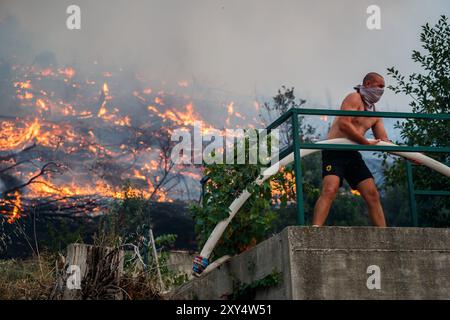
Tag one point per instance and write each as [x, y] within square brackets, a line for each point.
[292, 115]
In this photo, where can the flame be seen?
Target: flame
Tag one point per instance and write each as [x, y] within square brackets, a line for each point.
[68, 72]
[125, 121]
[23, 85]
[17, 208]
[102, 110]
[41, 104]
[230, 108]
[237, 114]
[139, 175]
[45, 188]
[16, 204]
[12, 137]
[159, 101]
[105, 89]
[153, 165]
[113, 116]
[187, 118]
[278, 189]
[47, 72]
[137, 95]
[28, 95]
[79, 136]
[355, 192]
[153, 108]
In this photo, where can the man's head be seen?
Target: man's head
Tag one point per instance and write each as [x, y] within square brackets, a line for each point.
[371, 90]
[373, 80]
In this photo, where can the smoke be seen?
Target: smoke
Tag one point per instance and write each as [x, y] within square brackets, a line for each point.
[239, 47]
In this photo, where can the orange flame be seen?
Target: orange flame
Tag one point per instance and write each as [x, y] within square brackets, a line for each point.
[187, 118]
[27, 95]
[105, 89]
[158, 100]
[71, 138]
[47, 72]
[12, 137]
[230, 108]
[41, 104]
[23, 85]
[102, 110]
[17, 208]
[68, 72]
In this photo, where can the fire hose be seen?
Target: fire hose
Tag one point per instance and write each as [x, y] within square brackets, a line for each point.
[201, 262]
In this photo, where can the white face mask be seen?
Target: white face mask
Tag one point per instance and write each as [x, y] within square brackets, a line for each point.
[370, 96]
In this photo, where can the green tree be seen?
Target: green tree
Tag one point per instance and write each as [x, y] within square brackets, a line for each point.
[256, 219]
[271, 206]
[430, 93]
[281, 103]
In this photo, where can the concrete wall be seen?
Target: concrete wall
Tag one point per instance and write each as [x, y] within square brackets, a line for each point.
[180, 262]
[332, 262]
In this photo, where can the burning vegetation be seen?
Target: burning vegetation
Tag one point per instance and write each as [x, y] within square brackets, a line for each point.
[68, 143]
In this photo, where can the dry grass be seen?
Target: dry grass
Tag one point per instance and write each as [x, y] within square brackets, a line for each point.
[140, 287]
[30, 279]
[36, 279]
[39, 279]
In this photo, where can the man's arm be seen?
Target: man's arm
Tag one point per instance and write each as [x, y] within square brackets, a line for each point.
[379, 131]
[345, 124]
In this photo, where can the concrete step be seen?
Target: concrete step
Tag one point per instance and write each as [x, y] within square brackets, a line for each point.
[337, 263]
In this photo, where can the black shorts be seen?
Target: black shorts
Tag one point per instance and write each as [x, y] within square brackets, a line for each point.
[345, 164]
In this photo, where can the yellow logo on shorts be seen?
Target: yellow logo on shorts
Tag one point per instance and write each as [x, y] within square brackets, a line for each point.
[328, 167]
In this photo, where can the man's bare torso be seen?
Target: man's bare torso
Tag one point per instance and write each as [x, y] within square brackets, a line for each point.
[362, 124]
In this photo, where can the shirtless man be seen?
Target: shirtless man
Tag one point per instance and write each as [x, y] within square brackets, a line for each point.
[348, 164]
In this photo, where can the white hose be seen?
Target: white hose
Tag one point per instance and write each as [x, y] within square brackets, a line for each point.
[267, 173]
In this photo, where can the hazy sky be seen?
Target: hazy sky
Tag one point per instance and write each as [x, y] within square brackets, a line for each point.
[322, 48]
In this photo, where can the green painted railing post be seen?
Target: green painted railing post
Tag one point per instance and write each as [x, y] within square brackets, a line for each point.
[298, 171]
[411, 195]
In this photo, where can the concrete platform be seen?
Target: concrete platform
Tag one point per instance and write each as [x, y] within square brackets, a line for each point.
[337, 263]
